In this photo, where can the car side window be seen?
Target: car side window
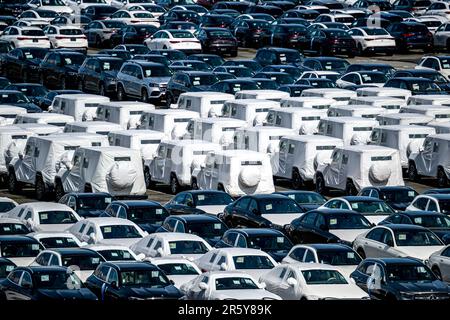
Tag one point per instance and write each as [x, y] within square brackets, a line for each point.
[446, 252]
[15, 276]
[432, 206]
[309, 218]
[309, 257]
[179, 227]
[298, 254]
[54, 261]
[242, 203]
[320, 220]
[113, 276]
[26, 279]
[179, 199]
[376, 234]
[121, 212]
[241, 242]
[253, 206]
[387, 238]
[421, 203]
[102, 272]
[231, 238]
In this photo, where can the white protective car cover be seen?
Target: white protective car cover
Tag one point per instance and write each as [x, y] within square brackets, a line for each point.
[207, 104]
[105, 172]
[302, 120]
[40, 129]
[441, 158]
[125, 113]
[12, 141]
[82, 107]
[441, 127]
[353, 130]
[48, 118]
[274, 95]
[10, 112]
[53, 150]
[98, 127]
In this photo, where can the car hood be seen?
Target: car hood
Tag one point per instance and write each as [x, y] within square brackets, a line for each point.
[143, 292]
[419, 252]
[348, 235]
[425, 286]
[73, 68]
[31, 107]
[337, 291]
[80, 294]
[157, 80]
[212, 209]
[245, 294]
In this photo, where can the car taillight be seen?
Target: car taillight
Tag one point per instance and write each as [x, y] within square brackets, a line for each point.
[23, 38]
[61, 37]
[407, 35]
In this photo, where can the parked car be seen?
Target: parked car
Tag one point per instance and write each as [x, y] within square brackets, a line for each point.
[199, 202]
[431, 202]
[99, 75]
[411, 35]
[217, 40]
[397, 198]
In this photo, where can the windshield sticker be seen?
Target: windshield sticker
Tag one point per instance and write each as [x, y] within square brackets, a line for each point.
[354, 206]
[292, 196]
[333, 221]
[155, 274]
[44, 216]
[108, 200]
[95, 260]
[35, 247]
[59, 241]
[280, 239]
[173, 245]
[350, 255]
[114, 254]
[106, 66]
[9, 268]
[418, 220]
[178, 268]
[201, 197]
[269, 207]
[107, 230]
[411, 194]
[235, 281]
[402, 236]
[126, 255]
[240, 260]
[217, 226]
[159, 211]
[45, 278]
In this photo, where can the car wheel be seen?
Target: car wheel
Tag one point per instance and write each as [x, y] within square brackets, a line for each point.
[321, 51]
[437, 272]
[98, 42]
[144, 95]
[194, 185]
[360, 50]
[63, 83]
[361, 253]
[442, 179]
[350, 189]
[120, 92]
[59, 190]
[412, 172]
[13, 184]
[174, 185]
[320, 184]
[296, 180]
[40, 189]
[148, 179]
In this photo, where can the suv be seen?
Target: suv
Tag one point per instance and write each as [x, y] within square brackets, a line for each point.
[144, 80]
[411, 35]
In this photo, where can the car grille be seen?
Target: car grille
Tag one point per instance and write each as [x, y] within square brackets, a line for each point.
[431, 296]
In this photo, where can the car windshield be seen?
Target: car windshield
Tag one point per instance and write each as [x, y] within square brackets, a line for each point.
[408, 273]
[20, 249]
[201, 80]
[116, 255]
[47, 14]
[113, 24]
[57, 280]
[83, 262]
[399, 195]
[56, 217]
[431, 221]
[144, 15]
[373, 77]
[59, 242]
[259, 24]
[206, 229]
[338, 33]
[187, 247]
[71, 32]
[119, 231]
[321, 84]
[13, 228]
[9, 98]
[271, 206]
[445, 206]
[335, 65]
[144, 278]
[423, 86]
[319, 277]
[177, 269]
[416, 238]
[348, 221]
[156, 71]
[182, 34]
[269, 243]
[338, 257]
[252, 262]
[307, 198]
[290, 57]
[149, 214]
[146, 29]
[212, 199]
[73, 59]
[6, 206]
[33, 91]
[93, 203]
[34, 54]
[5, 269]
[235, 283]
[220, 34]
[370, 207]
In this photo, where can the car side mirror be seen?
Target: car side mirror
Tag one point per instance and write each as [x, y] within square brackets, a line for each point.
[223, 266]
[292, 282]
[190, 204]
[323, 227]
[203, 286]
[114, 285]
[20, 155]
[390, 243]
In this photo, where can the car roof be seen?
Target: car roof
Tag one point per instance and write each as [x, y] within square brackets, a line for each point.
[332, 212]
[361, 198]
[421, 213]
[17, 238]
[439, 196]
[138, 203]
[390, 261]
[400, 227]
[88, 194]
[73, 251]
[33, 269]
[249, 232]
[267, 196]
[197, 218]
[135, 265]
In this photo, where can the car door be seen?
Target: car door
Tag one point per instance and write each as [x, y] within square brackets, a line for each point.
[12, 290]
[332, 173]
[238, 210]
[432, 205]
[158, 164]
[97, 282]
[111, 292]
[176, 205]
[372, 243]
[444, 264]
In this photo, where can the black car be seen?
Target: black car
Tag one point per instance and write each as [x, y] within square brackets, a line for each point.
[156, 58]
[317, 226]
[22, 64]
[218, 40]
[44, 283]
[238, 72]
[4, 83]
[33, 91]
[382, 5]
[179, 25]
[252, 32]
[15, 227]
[294, 21]
[134, 49]
[306, 14]
[148, 215]
[131, 281]
[18, 99]
[266, 84]
[98, 12]
[308, 200]
[437, 191]
[433, 75]
[216, 21]
[233, 85]
[279, 77]
[59, 69]
[98, 75]
[248, 63]
[415, 85]
[6, 266]
[171, 54]
[19, 246]
[274, 55]
[399, 279]
[397, 197]
[191, 65]
[317, 83]
[274, 242]
[261, 211]
[122, 54]
[289, 36]
[224, 76]
[133, 34]
[198, 201]
[87, 205]
[385, 68]
[294, 90]
[205, 226]
[411, 35]
[326, 63]
[332, 41]
[45, 101]
[212, 59]
[411, 5]
[13, 8]
[85, 259]
[239, 6]
[186, 81]
[180, 15]
[293, 71]
[274, 11]
[437, 222]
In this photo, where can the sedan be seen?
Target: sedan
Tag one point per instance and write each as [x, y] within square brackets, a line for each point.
[411, 35]
[32, 91]
[20, 37]
[6, 266]
[66, 37]
[136, 16]
[373, 40]
[332, 41]
[431, 202]
[439, 263]
[180, 271]
[361, 78]
[218, 40]
[415, 85]
[199, 201]
[174, 39]
[308, 200]
[18, 99]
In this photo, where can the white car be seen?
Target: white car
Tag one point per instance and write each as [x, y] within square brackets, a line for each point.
[83, 4]
[108, 231]
[54, 5]
[226, 286]
[439, 8]
[439, 263]
[179, 270]
[397, 241]
[115, 252]
[320, 74]
[438, 63]
[346, 19]
[174, 39]
[311, 281]
[81, 260]
[125, 113]
[362, 78]
[373, 40]
[172, 245]
[404, 118]
[442, 37]
[431, 202]
[154, 9]
[172, 122]
[352, 130]
[340, 256]
[13, 226]
[132, 17]
[253, 111]
[207, 104]
[57, 239]
[356, 110]
[439, 113]
[38, 14]
[20, 37]
[66, 37]
[252, 261]
[93, 127]
[45, 216]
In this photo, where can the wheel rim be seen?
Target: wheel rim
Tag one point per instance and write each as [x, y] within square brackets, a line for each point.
[319, 185]
[442, 178]
[296, 180]
[39, 190]
[119, 93]
[144, 96]
[102, 90]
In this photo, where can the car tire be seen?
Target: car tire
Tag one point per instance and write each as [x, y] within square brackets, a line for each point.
[121, 96]
[412, 172]
[59, 190]
[296, 180]
[234, 54]
[174, 184]
[98, 42]
[40, 189]
[14, 186]
[437, 272]
[87, 188]
[194, 185]
[144, 95]
[320, 184]
[442, 179]
[63, 83]
[360, 50]
[350, 188]
[361, 253]
[148, 179]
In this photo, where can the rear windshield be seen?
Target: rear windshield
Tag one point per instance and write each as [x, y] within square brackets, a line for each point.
[171, 269]
[252, 262]
[59, 242]
[187, 247]
[116, 255]
[13, 228]
[56, 217]
[71, 32]
[153, 215]
[33, 33]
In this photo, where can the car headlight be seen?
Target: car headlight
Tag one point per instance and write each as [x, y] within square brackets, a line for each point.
[407, 295]
[110, 80]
